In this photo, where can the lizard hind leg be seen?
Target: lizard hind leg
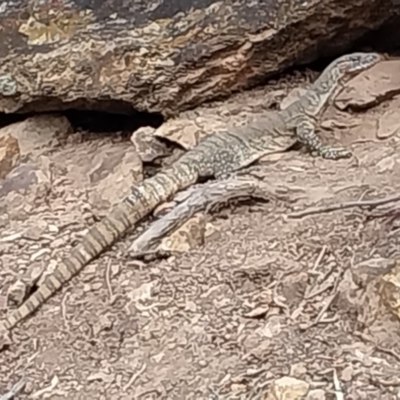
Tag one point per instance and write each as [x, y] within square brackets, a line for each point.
[305, 132]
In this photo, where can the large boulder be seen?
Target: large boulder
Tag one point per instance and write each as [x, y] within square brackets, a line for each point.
[164, 55]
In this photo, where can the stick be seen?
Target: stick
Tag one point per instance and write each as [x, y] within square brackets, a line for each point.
[197, 198]
[342, 206]
[15, 389]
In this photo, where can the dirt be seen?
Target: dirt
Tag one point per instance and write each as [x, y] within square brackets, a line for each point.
[270, 297]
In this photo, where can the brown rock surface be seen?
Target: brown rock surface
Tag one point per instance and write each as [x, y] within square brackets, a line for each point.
[38, 134]
[270, 297]
[384, 85]
[164, 55]
[9, 154]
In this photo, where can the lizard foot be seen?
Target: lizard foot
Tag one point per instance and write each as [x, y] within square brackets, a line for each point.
[331, 153]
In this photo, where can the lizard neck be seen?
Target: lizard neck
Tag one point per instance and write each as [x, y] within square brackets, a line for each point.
[318, 95]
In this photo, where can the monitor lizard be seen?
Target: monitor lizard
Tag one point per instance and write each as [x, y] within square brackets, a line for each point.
[216, 156]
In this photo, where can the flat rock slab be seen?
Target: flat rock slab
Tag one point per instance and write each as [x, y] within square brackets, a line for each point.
[164, 55]
[380, 82]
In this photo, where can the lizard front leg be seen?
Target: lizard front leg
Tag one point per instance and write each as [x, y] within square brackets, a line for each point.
[305, 132]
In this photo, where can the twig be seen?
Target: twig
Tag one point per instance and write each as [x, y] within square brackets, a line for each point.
[108, 282]
[51, 387]
[342, 206]
[319, 259]
[64, 309]
[336, 384]
[385, 350]
[15, 389]
[201, 197]
[134, 377]
[327, 304]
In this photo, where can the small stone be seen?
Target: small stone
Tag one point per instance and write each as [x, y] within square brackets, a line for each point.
[34, 273]
[347, 374]
[211, 232]
[389, 124]
[147, 145]
[57, 243]
[53, 228]
[287, 388]
[187, 237]
[298, 370]
[238, 388]
[203, 363]
[17, 293]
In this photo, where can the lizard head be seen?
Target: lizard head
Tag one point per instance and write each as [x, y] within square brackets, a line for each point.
[354, 63]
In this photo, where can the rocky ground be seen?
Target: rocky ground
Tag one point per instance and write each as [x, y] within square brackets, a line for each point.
[261, 301]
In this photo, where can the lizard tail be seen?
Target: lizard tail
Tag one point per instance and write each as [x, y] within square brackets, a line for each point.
[140, 202]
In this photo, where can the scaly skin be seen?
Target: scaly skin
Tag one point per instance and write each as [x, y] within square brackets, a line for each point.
[216, 156]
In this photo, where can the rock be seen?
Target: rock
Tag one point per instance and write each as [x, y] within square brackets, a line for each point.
[38, 134]
[20, 180]
[190, 235]
[188, 132]
[113, 174]
[287, 388]
[298, 370]
[24, 189]
[389, 124]
[9, 154]
[165, 55]
[147, 145]
[382, 81]
[389, 289]
[17, 293]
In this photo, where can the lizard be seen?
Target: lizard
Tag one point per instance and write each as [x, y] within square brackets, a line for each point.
[217, 156]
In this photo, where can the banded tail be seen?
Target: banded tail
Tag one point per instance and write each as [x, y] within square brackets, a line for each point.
[141, 201]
